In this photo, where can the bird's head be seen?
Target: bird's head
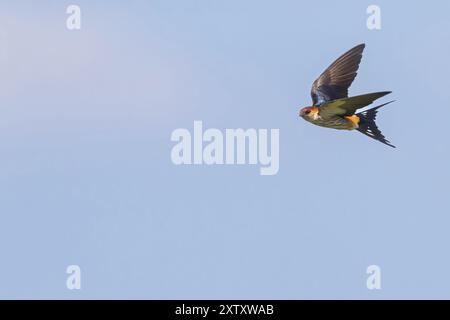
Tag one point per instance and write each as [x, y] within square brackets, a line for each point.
[309, 113]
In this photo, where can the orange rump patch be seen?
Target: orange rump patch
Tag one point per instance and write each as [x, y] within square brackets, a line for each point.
[354, 120]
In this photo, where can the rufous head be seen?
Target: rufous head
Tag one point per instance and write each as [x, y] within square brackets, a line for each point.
[308, 113]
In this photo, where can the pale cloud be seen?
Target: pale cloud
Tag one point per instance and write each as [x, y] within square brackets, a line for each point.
[101, 72]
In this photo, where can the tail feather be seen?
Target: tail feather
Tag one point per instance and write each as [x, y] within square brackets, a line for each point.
[368, 126]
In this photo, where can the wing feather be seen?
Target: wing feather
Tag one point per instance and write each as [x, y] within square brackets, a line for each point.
[348, 106]
[334, 82]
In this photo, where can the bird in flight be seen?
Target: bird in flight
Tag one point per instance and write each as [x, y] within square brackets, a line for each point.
[332, 108]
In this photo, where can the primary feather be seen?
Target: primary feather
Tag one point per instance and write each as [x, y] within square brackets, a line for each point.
[334, 82]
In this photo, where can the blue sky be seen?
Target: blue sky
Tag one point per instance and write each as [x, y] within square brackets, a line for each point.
[86, 119]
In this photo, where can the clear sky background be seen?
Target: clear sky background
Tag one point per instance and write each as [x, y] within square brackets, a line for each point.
[86, 176]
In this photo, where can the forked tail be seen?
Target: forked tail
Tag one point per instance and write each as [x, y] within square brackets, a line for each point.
[368, 126]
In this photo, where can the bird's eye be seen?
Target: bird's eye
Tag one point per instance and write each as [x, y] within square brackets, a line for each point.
[307, 111]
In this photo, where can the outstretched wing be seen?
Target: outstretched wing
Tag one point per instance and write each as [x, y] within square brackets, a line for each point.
[348, 106]
[334, 82]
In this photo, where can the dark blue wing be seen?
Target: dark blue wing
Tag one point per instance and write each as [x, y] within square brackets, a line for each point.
[334, 82]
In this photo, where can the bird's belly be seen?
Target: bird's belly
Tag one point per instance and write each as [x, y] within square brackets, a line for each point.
[336, 123]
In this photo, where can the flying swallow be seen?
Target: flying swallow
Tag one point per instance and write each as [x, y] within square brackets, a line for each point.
[332, 108]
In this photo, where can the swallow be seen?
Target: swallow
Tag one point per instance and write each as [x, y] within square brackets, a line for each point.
[332, 108]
